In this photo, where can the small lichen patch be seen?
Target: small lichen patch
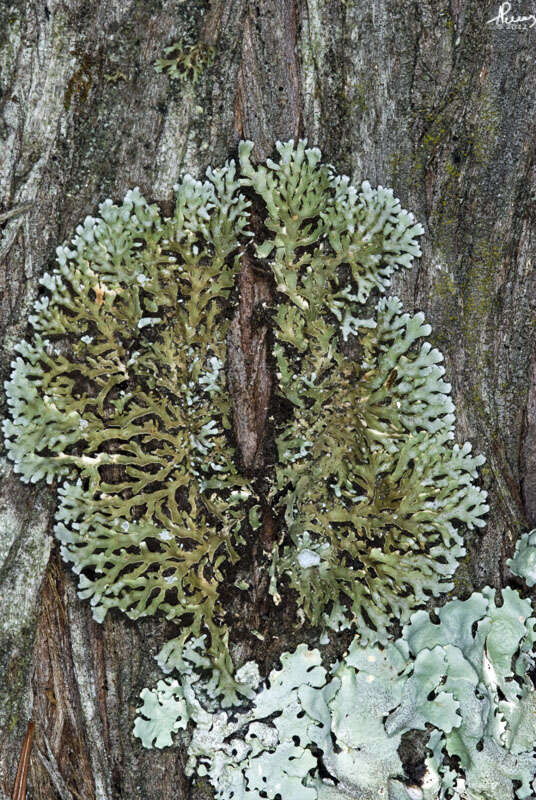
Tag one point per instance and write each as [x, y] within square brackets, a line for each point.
[186, 62]
[523, 563]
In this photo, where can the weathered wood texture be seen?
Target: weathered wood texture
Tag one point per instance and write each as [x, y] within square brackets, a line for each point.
[423, 96]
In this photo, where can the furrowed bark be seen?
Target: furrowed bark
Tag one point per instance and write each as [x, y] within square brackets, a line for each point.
[425, 97]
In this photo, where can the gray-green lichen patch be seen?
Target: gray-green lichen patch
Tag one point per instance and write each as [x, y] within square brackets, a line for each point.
[200, 689]
[490, 653]
[523, 563]
[120, 396]
[186, 62]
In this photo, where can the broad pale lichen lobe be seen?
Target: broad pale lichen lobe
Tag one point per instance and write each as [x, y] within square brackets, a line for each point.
[317, 734]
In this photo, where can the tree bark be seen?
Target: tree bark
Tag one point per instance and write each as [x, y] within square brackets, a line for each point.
[426, 97]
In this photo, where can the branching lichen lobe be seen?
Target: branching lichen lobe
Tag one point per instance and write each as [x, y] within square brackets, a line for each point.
[366, 479]
[121, 396]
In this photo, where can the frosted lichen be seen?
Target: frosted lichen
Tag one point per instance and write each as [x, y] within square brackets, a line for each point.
[314, 734]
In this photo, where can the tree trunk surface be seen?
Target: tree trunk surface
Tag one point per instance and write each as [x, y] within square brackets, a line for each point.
[424, 96]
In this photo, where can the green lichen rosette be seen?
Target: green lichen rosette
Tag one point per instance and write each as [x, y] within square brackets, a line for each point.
[119, 398]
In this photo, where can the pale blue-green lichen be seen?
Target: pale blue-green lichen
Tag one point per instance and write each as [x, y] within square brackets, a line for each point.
[196, 692]
[314, 734]
[524, 561]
